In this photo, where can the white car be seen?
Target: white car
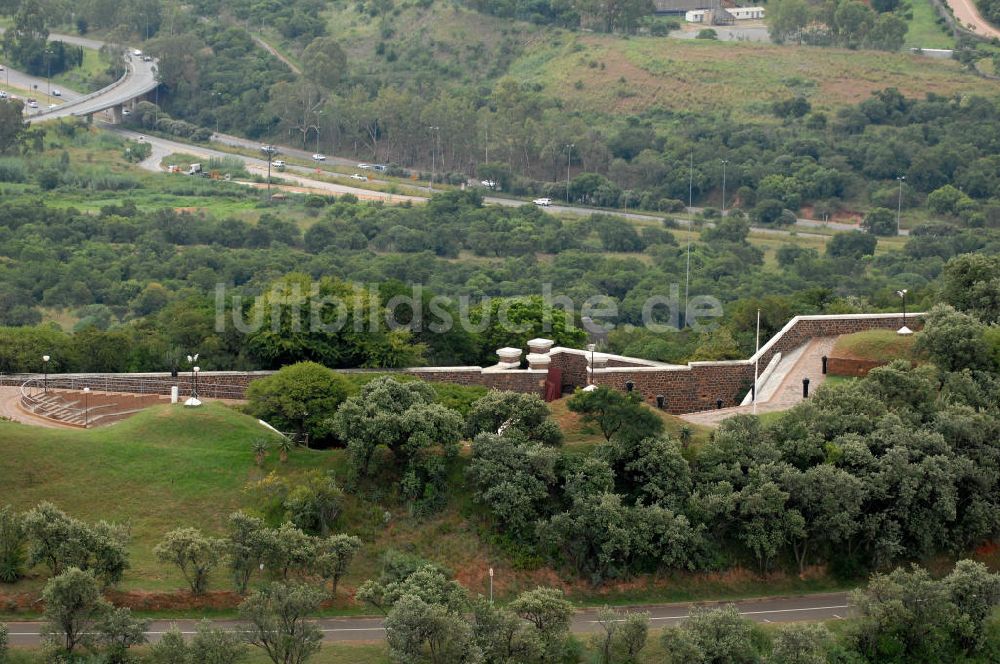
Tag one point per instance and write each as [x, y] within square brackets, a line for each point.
[33, 104]
[278, 163]
[125, 111]
[136, 52]
[319, 157]
[56, 93]
[364, 166]
[362, 178]
[489, 183]
[3, 94]
[542, 201]
[51, 106]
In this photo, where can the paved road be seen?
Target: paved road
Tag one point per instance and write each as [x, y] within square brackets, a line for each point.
[828, 606]
[138, 80]
[968, 16]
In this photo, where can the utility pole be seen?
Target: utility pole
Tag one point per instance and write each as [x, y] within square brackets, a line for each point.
[899, 201]
[687, 282]
[569, 155]
[434, 154]
[691, 183]
[724, 163]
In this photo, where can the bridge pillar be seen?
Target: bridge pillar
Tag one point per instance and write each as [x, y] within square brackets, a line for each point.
[116, 114]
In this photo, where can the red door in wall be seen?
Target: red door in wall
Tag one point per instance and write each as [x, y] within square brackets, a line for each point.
[553, 384]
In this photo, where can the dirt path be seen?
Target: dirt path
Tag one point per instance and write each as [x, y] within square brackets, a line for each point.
[273, 51]
[789, 392]
[968, 16]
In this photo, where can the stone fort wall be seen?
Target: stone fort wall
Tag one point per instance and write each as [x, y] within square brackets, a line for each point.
[684, 388]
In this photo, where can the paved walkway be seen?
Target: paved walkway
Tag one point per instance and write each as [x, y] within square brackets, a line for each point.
[789, 390]
[10, 398]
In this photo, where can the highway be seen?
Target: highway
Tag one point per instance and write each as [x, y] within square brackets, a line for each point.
[819, 607]
[138, 80]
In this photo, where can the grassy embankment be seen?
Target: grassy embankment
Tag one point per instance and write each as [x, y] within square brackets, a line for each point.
[169, 467]
[875, 345]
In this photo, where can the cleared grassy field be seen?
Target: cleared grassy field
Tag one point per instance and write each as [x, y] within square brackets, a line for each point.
[924, 31]
[875, 345]
[598, 75]
[82, 78]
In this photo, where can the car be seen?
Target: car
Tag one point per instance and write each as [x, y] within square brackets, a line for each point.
[147, 58]
[33, 104]
[268, 148]
[489, 183]
[125, 111]
[1, 67]
[278, 163]
[51, 106]
[364, 166]
[3, 94]
[141, 138]
[137, 52]
[545, 202]
[381, 168]
[56, 93]
[357, 176]
[319, 157]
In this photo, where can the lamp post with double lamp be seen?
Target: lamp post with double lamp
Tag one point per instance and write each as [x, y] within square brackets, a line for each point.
[569, 156]
[45, 369]
[193, 400]
[899, 201]
[903, 330]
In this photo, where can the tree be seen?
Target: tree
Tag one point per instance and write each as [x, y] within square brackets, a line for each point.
[511, 322]
[829, 500]
[851, 245]
[287, 549]
[324, 62]
[971, 284]
[13, 125]
[244, 548]
[616, 413]
[880, 221]
[549, 612]
[420, 632]
[212, 645]
[315, 502]
[711, 636]
[193, 553]
[766, 523]
[13, 540]
[801, 643]
[512, 412]
[513, 479]
[73, 607]
[395, 430]
[61, 541]
[623, 636]
[786, 19]
[334, 556]
[26, 41]
[170, 649]
[118, 631]
[302, 397]
[953, 340]
[278, 624]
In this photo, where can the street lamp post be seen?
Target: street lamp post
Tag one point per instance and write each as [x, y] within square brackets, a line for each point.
[434, 153]
[569, 155]
[725, 162]
[899, 201]
[45, 368]
[491, 585]
[903, 330]
[48, 70]
[590, 376]
[86, 407]
[195, 392]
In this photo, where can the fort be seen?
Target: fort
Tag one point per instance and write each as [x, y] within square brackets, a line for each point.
[550, 370]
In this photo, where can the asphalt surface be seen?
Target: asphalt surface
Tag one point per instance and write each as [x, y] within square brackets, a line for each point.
[827, 606]
[138, 80]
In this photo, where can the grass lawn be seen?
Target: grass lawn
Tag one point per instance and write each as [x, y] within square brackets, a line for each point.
[876, 345]
[85, 78]
[924, 31]
[600, 74]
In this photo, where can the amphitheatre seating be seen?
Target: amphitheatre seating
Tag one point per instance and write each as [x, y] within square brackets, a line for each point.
[96, 409]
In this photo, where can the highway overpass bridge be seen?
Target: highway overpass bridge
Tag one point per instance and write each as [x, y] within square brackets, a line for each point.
[137, 82]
